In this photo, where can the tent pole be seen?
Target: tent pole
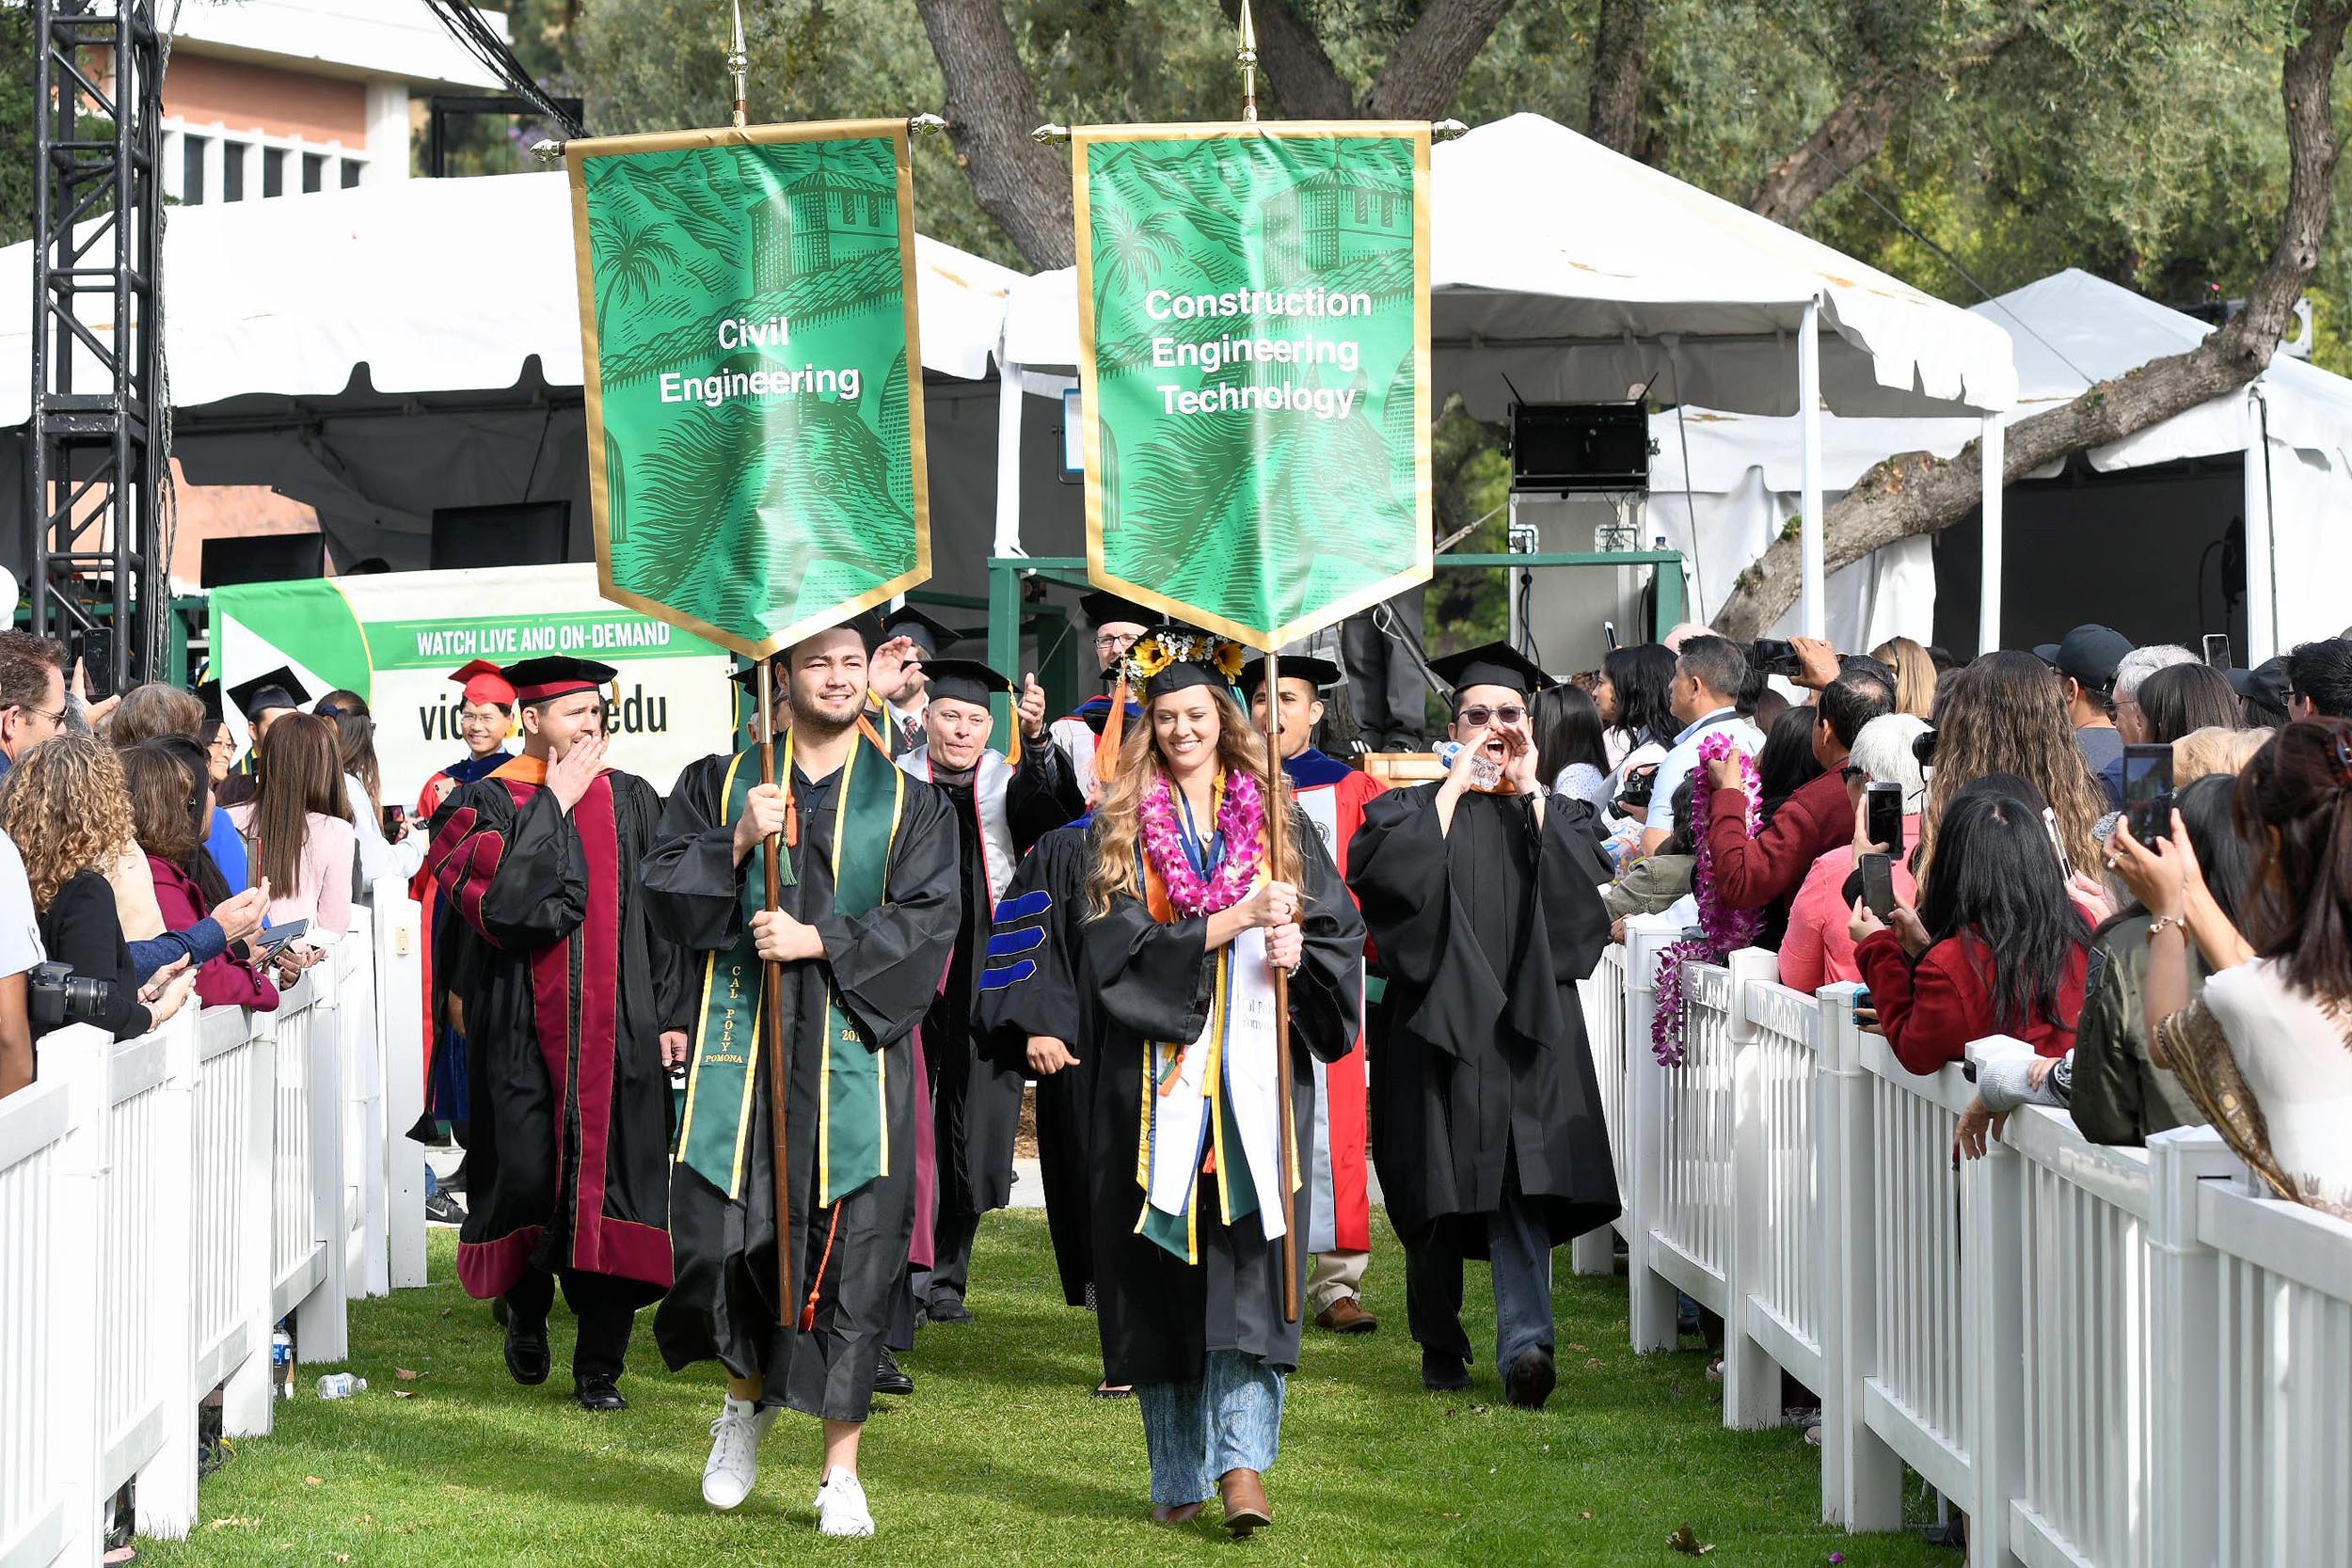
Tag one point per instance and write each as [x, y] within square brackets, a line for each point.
[1010, 393]
[2262, 565]
[1813, 610]
[1992, 447]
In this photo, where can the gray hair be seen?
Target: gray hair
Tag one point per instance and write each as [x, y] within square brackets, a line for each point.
[1882, 751]
[2140, 663]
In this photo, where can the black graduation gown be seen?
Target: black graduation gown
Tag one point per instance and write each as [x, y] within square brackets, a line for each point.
[1478, 1051]
[1160, 1316]
[1051, 996]
[886, 967]
[976, 1101]
[569, 1162]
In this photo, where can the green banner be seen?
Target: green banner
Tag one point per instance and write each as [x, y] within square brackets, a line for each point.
[755, 391]
[1254, 358]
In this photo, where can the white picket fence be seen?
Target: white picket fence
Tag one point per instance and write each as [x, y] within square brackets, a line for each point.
[2102, 1356]
[165, 1201]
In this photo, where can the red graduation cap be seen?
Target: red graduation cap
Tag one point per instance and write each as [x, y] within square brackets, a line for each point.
[484, 684]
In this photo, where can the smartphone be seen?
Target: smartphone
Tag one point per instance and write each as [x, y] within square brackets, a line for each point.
[2148, 791]
[394, 817]
[2057, 843]
[1777, 656]
[1883, 814]
[2217, 653]
[1608, 633]
[1878, 885]
[269, 942]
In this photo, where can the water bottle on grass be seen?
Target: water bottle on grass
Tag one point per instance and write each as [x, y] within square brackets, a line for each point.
[342, 1386]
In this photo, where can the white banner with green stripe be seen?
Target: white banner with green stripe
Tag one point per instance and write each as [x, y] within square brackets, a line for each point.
[395, 639]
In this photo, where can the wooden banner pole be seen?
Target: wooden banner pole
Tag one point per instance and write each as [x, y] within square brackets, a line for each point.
[771, 1004]
[1276, 836]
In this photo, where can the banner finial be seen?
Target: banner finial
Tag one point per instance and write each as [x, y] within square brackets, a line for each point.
[1247, 57]
[738, 61]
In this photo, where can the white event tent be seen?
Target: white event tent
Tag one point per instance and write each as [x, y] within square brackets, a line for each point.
[2291, 429]
[1576, 275]
[385, 350]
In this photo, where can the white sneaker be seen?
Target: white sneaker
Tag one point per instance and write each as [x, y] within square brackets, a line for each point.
[734, 1463]
[841, 1506]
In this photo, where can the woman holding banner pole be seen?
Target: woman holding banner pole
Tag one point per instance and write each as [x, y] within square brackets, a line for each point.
[1195, 912]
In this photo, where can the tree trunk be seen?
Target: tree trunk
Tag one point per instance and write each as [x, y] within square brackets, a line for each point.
[1620, 54]
[1424, 70]
[1916, 492]
[990, 110]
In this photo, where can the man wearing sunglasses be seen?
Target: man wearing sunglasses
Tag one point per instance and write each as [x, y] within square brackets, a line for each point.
[32, 693]
[1481, 895]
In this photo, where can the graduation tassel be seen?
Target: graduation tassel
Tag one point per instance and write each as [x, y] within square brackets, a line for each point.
[809, 1312]
[1114, 732]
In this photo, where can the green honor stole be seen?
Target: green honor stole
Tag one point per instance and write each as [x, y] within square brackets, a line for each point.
[852, 1123]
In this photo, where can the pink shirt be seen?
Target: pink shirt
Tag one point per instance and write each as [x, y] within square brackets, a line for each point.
[322, 894]
[1818, 951]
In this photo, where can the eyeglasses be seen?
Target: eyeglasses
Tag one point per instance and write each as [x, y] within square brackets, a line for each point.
[57, 717]
[1505, 715]
[1119, 640]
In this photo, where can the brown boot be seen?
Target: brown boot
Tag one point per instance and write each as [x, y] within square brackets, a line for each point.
[1246, 1510]
[1346, 1316]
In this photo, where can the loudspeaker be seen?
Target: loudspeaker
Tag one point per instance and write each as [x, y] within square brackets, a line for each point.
[1573, 448]
[521, 533]
[263, 558]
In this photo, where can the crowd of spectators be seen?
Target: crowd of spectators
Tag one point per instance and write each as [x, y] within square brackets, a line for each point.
[2199, 971]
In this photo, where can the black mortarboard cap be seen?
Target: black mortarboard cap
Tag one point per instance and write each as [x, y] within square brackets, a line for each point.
[1317, 671]
[963, 680]
[928, 633]
[209, 693]
[1103, 607]
[554, 676]
[279, 688]
[1496, 664]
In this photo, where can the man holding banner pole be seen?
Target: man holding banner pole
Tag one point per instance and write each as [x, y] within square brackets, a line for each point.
[868, 904]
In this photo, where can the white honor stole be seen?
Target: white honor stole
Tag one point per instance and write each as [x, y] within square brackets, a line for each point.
[1232, 1061]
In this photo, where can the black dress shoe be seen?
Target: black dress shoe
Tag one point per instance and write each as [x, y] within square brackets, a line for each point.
[598, 1394]
[1442, 1370]
[891, 1378]
[1529, 1381]
[947, 1309]
[526, 1350]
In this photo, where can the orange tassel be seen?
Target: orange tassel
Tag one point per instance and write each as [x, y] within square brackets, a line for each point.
[808, 1313]
[1114, 731]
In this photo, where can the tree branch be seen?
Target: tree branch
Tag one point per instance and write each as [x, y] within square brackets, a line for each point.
[990, 110]
[1916, 492]
[1300, 74]
[1424, 70]
[1857, 130]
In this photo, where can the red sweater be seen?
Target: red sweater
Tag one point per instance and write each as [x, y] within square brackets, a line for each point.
[223, 982]
[1750, 873]
[1931, 1011]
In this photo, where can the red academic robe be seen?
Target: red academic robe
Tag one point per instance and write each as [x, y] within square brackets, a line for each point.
[1332, 795]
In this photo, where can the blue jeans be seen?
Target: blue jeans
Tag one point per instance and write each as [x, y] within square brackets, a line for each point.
[1519, 1253]
[1232, 1420]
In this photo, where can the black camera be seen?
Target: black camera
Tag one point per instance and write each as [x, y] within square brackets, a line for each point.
[1638, 787]
[55, 996]
[1923, 747]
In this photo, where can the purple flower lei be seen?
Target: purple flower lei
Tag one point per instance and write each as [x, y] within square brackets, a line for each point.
[1240, 815]
[1722, 930]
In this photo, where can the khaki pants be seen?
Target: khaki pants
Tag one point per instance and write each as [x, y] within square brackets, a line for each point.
[1336, 1276]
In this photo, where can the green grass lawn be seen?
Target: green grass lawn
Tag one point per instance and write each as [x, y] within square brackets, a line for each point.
[1002, 1457]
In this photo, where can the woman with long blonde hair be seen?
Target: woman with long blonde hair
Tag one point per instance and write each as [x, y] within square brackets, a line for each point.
[65, 806]
[1199, 919]
[1915, 675]
[2004, 714]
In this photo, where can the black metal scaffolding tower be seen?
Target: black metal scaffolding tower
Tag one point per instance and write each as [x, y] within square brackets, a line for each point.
[97, 460]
